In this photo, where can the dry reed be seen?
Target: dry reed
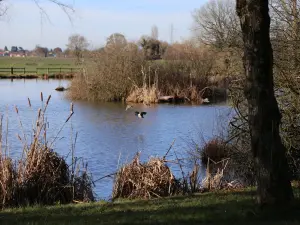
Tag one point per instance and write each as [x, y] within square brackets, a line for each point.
[218, 180]
[146, 94]
[7, 181]
[144, 180]
[41, 176]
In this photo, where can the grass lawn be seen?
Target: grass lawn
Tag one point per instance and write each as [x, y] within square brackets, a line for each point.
[209, 208]
[31, 63]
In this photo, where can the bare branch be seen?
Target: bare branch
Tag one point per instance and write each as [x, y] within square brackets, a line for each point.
[66, 8]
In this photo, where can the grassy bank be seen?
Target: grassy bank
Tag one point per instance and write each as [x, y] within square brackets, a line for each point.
[214, 208]
[32, 63]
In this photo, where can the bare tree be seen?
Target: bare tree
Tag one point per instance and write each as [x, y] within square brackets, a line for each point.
[115, 41]
[41, 51]
[286, 34]
[216, 23]
[264, 117]
[154, 32]
[77, 44]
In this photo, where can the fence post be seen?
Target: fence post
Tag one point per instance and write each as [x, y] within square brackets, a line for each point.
[24, 70]
[47, 70]
[11, 70]
[60, 69]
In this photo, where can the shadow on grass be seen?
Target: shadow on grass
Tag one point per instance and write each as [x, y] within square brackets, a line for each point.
[221, 208]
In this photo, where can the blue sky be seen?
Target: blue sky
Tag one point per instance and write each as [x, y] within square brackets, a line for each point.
[96, 20]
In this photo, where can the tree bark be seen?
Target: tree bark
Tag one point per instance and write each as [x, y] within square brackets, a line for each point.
[273, 182]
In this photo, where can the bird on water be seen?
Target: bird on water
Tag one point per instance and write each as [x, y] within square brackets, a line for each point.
[140, 114]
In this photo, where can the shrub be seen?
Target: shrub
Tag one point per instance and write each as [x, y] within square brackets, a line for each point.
[215, 149]
[144, 180]
[109, 76]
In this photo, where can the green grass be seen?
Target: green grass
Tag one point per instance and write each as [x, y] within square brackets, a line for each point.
[210, 208]
[31, 63]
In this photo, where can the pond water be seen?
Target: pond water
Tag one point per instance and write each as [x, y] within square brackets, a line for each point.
[107, 134]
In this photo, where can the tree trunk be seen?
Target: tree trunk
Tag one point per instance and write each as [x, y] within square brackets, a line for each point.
[295, 30]
[273, 183]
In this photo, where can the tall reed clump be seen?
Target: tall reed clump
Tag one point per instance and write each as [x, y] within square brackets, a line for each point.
[7, 173]
[145, 180]
[41, 176]
[148, 92]
[7, 181]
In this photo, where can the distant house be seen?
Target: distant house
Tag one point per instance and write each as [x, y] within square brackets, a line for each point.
[2, 53]
[17, 54]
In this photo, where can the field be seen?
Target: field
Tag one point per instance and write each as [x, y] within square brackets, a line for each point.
[36, 65]
[209, 208]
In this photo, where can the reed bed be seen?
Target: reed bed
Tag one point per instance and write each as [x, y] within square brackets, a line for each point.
[148, 92]
[7, 181]
[127, 76]
[154, 179]
[41, 175]
[144, 95]
[145, 180]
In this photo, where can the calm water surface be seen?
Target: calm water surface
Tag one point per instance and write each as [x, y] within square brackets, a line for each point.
[106, 132]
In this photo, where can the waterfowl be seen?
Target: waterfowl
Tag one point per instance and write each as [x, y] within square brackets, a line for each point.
[140, 114]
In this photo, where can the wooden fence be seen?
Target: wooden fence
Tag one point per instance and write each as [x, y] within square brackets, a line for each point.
[24, 70]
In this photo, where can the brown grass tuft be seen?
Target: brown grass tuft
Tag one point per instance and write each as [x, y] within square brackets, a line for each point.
[7, 181]
[144, 180]
[143, 95]
[43, 178]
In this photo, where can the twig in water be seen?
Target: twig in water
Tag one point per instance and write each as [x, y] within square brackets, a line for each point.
[169, 149]
[22, 129]
[61, 128]
[109, 175]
